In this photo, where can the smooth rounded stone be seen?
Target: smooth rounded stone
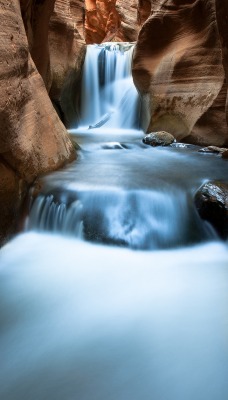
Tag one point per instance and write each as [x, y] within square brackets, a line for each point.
[161, 138]
[211, 201]
[213, 150]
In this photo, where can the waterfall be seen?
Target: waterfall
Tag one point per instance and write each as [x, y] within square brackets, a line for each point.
[109, 98]
[136, 219]
[81, 320]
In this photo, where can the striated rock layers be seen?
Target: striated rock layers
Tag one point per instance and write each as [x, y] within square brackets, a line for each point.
[114, 20]
[36, 16]
[179, 66]
[67, 50]
[32, 138]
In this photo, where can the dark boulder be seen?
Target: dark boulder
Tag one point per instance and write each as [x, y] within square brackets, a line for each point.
[211, 201]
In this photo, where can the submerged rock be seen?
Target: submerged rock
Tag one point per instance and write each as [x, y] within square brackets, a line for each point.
[213, 150]
[178, 145]
[211, 201]
[161, 138]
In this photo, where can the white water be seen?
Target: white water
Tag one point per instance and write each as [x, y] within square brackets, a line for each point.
[124, 192]
[80, 321]
[109, 97]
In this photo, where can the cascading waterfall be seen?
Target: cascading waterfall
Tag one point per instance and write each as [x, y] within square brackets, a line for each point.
[137, 219]
[109, 98]
[80, 320]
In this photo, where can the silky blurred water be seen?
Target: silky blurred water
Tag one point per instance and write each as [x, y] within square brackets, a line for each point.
[120, 191]
[83, 321]
[108, 95]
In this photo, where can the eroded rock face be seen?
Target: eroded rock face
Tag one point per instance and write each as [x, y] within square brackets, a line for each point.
[114, 20]
[179, 69]
[32, 138]
[36, 16]
[67, 44]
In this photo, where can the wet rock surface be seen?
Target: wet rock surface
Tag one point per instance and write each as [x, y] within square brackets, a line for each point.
[178, 145]
[225, 154]
[211, 201]
[158, 139]
[213, 150]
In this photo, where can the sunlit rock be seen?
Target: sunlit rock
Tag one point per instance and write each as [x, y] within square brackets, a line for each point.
[114, 20]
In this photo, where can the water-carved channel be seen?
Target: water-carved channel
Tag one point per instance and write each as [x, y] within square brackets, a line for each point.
[117, 289]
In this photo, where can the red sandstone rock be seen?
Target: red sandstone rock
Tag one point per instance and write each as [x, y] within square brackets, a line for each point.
[222, 20]
[67, 43]
[10, 195]
[32, 138]
[101, 21]
[114, 20]
[179, 69]
[36, 16]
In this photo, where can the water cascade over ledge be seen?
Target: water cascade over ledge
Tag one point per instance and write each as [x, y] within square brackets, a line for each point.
[109, 98]
[80, 320]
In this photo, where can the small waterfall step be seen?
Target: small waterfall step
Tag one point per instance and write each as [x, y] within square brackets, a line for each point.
[109, 98]
[138, 219]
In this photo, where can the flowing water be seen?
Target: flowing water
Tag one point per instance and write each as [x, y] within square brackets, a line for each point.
[109, 98]
[117, 290]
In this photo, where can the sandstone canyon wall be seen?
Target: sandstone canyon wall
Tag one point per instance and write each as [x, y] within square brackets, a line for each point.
[66, 41]
[179, 67]
[32, 138]
[114, 20]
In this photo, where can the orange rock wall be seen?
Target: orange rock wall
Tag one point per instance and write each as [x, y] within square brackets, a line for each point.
[179, 67]
[222, 20]
[66, 42]
[114, 20]
[36, 16]
[32, 138]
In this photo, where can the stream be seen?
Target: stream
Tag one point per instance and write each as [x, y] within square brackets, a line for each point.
[116, 289]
